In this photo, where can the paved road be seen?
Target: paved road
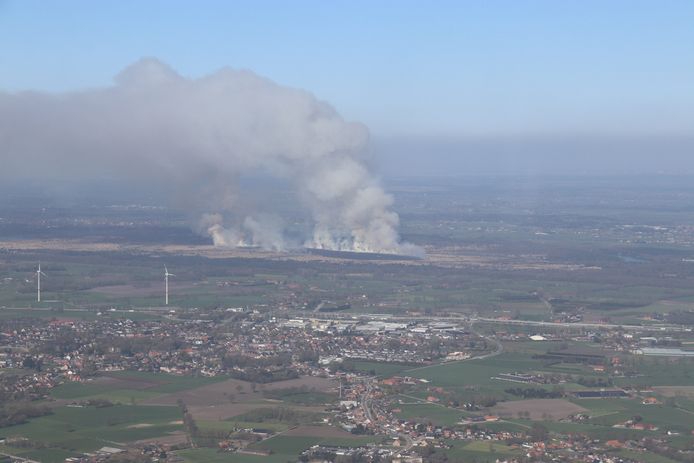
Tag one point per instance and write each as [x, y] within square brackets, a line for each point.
[464, 318]
[584, 325]
[367, 406]
[458, 319]
[366, 400]
[499, 346]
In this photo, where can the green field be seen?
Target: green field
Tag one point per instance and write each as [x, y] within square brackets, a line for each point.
[457, 375]
[85, 429]
[473, 378]
[293, 445]
[166, 383]
[74, 314]
[139, 386]
[85, 391]
[661, 372]
[43, 455]
[480, 451]
[645, 457]
[299, 397]
[72, 430]
[232, 424]
[207, 455]
[384, 369]
[609, 412]
[283, 448]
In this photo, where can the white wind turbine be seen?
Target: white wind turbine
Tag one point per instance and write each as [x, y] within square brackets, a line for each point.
[166, 281]
[38, 283]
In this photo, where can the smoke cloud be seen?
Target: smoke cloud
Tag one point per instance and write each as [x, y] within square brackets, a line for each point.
[199, 136]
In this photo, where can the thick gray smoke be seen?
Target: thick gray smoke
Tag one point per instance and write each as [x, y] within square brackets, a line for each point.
[200, 136]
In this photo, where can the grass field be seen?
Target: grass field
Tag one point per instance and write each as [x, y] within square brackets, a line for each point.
[380, 368]
[207, 455]
[480, 451]
[609, 412]
[661, 372]
[293, 445]
[595, 431]
[130, 386]
[645, 457]
[166, 383]
[306, 398]
[477, 372]
[72, 314]
[283, 448]
[42, 455]
[85, 429]
[231, 424]
[474, 378]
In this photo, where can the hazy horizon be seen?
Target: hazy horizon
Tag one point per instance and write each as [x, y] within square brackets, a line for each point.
[186, 102]
[452, 88]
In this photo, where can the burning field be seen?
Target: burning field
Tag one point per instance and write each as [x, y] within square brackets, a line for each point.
[196, 139]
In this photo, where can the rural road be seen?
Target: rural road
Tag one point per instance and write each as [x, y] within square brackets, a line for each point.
[366, 399]
[583, 325]
[462, 319]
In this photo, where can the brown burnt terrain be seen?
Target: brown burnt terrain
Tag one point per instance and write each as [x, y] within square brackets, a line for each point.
[439, 256]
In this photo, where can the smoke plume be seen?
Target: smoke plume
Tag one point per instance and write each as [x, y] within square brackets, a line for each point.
[199, 136]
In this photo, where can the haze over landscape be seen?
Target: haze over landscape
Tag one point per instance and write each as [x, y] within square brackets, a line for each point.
[196, 137]
[523, 83]
[380, 232]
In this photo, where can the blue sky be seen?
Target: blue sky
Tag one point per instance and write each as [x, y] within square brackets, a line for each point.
[423, 68]
[441, 69]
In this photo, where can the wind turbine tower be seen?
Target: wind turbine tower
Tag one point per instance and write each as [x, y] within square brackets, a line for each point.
[38, 283]
[166, 282]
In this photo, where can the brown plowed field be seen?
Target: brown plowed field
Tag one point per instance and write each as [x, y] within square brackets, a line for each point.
[241, 391]
[539, 409]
